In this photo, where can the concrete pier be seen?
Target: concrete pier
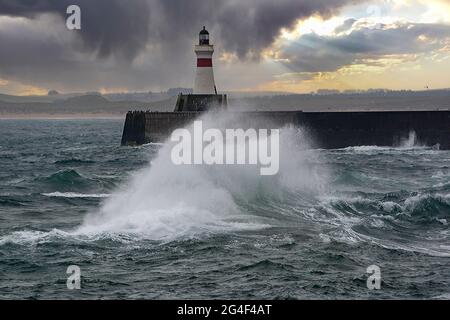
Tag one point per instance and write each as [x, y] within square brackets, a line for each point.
[328, 130]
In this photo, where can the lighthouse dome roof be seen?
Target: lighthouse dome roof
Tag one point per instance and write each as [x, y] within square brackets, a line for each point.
[204, 31]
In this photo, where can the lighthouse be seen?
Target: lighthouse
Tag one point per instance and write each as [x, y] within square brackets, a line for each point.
[205, 96]
[204, 78]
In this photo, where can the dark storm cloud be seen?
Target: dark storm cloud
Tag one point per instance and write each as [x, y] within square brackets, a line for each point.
[125, 27]
[108, 25]
[243, 26]
[315, 53]
[136, 43]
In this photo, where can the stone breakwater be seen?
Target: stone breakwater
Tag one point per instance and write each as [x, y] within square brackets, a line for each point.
[328, 130]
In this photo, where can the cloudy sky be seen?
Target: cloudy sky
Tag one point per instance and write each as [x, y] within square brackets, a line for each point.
[284, 45]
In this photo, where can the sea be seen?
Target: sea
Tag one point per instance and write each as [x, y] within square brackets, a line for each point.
[364, 222]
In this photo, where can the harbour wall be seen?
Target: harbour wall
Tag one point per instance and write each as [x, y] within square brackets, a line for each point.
[328, 130]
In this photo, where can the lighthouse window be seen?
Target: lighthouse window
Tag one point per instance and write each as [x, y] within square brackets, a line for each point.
[204, 38]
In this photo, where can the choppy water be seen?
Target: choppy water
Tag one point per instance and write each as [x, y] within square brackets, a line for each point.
[139, 227]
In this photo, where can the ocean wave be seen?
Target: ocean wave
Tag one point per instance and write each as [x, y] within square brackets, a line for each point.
[73, 161]
[440, 174]
[375, 149]
[165, 201]
[429, 205]
[65, 177]
[266, 266]
[410, 143]
[366, 148]
[353, 236]
[70, 180]
[75, 195]
[32, 238]
[424, 247]
[96, 237]
[9, 201]
[158, 144]
[376, 220]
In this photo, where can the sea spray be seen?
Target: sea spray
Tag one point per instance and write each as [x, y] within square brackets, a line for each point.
[166, 201]
[410, 142]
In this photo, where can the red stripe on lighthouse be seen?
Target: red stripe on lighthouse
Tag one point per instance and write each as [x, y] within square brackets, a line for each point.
[204, 62]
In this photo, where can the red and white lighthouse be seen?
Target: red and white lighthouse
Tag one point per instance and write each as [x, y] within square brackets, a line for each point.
[204, 79]
[205, 95]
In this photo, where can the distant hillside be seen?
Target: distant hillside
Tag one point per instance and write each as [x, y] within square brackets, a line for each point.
[88, 105]
[25, 99]
[422, 100]
[98, 105]
[87, 100]
[148, 96]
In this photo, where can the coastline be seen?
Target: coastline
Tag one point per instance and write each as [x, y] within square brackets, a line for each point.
[62, 116]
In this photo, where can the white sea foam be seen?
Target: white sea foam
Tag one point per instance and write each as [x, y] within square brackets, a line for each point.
[405, 144]
[32, 237]
[363, 149]
[75, 195]
[390, 206]
[158, 144]
[410, 142]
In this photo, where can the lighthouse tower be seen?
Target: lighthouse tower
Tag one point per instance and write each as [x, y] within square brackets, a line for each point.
[205, 95]
[204, 79]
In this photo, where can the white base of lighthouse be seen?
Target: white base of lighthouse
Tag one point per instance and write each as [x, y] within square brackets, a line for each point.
[204, 81]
